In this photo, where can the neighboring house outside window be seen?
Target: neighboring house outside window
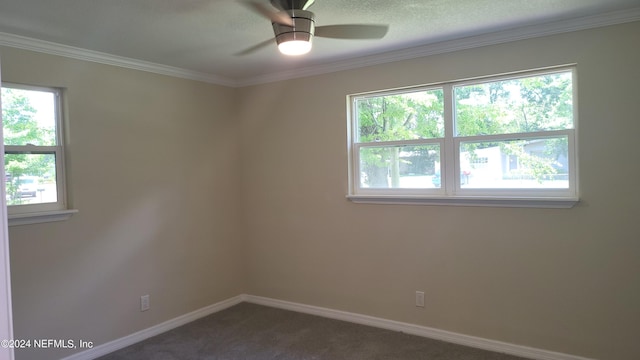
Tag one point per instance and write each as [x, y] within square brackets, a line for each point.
[34, 154]
[508, 138]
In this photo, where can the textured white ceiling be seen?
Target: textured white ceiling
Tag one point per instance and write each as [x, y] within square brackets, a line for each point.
[204, 35]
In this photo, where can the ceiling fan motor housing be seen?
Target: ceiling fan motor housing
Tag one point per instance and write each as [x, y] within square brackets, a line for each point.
[303, 27]
[292, 4]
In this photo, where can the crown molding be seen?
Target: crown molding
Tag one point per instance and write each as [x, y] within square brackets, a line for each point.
[493, 38]
[498, 37]
[26, 43]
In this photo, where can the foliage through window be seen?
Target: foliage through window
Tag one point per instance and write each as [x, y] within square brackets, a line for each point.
[501, 137]
[33, 148]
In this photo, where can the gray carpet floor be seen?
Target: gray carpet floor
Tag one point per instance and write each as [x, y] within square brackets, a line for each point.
[253, 332]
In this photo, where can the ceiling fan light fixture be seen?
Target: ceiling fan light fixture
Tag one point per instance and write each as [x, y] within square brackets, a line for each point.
[294, 26]
[295, 40]
[295, 47]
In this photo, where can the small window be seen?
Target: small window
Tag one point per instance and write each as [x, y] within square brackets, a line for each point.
[398, 139]
[34, 159]
[508, 137]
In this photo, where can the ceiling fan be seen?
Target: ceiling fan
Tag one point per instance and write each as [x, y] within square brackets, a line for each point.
[294, 27]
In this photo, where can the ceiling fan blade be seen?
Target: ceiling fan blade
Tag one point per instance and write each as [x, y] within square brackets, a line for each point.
[352, 31]
[279, 17]
[255, 48]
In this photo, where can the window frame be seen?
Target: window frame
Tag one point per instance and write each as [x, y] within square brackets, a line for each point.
[451, 192]
[52, 211]
[354, 147]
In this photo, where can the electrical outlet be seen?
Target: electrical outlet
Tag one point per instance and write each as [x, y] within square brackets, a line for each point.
[144, 302]
[420, 298]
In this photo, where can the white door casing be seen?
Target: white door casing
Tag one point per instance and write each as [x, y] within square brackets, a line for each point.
[6, 320]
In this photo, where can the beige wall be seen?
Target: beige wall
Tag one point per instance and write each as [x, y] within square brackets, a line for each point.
[153, 165]
[556, 279]
[195, 193]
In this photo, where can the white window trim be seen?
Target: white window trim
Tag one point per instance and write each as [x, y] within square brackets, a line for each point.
[40, 217]
[451, 193]
[557, 203]
[46, 212]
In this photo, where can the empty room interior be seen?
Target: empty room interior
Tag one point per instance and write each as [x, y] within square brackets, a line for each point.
[205, 189]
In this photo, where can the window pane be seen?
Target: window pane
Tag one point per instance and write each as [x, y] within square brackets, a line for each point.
[408, 167]
[537, 103]
[408, 116]
[31, 178]
[524, 164]
[29, 117]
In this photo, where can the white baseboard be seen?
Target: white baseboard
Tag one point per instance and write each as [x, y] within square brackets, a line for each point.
[437, 334]
[118, 344]
[432, 333]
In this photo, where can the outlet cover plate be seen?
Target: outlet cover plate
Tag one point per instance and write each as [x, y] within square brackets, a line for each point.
[144, 302]
[420, 298]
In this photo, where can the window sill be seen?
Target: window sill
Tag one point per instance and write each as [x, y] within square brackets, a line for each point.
[40, 217]
[556, 203]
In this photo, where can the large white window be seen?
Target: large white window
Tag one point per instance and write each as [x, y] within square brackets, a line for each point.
[504, 140]
[34, 158]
